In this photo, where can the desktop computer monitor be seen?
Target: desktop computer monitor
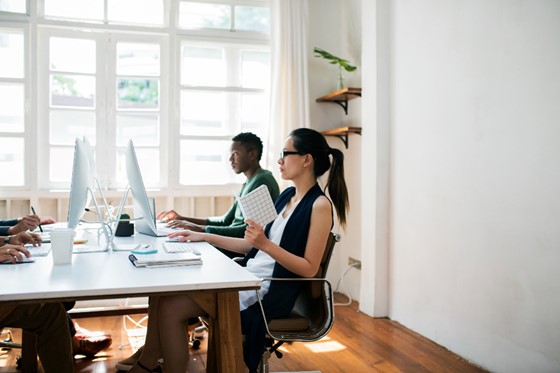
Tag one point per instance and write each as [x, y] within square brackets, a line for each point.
[145, 222]
[80, 185]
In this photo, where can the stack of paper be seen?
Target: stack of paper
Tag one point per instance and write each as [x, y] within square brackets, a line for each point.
[164, 260]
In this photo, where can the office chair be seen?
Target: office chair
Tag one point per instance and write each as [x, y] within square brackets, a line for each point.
[312, 316]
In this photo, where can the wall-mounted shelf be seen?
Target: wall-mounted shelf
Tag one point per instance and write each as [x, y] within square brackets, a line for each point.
[342, 133]
[341, 97]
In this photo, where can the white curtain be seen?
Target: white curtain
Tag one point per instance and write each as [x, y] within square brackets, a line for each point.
[289, 106]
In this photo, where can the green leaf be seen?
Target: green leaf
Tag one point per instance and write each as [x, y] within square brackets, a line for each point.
[334, 59]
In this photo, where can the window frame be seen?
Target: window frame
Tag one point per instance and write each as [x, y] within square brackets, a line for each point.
[36, 88]
[105, 102]
[29, 127]
[231, 47]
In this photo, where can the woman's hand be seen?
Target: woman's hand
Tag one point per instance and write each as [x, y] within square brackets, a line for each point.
[254, 234]
[187, 236]
[13, 253]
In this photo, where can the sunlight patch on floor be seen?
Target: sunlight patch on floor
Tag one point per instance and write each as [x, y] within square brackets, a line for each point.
[3, 358]
[325, 345]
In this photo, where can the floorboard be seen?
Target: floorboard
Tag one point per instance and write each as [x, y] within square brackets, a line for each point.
[357, 343]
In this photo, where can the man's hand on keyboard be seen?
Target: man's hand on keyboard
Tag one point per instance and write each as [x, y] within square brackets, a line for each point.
[182, 224]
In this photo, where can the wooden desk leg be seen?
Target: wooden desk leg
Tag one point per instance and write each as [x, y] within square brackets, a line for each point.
[28, 362]
[225, 350]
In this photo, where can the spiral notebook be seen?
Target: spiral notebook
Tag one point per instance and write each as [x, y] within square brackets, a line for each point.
[258, 206]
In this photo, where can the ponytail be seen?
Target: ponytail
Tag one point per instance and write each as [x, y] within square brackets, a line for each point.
[336, 186]
[309, 141]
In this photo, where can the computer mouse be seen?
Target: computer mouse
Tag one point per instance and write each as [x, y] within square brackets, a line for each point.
[144, 249]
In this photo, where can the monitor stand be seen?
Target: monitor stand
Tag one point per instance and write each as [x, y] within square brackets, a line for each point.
[104, 223]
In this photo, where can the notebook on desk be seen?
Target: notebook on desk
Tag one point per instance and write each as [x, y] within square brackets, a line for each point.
[161, 259]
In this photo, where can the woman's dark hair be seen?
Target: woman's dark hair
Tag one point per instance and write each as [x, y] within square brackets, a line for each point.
[309, 141]
[251, 142]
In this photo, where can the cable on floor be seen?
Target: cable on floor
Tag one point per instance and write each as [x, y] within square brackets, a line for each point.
[341, 284]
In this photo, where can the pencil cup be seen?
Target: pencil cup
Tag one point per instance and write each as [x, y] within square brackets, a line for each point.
[62, 241]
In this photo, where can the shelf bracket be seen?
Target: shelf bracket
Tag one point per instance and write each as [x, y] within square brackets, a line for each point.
[342, 97]
[344, 139]
[343, 133]
[344, 105]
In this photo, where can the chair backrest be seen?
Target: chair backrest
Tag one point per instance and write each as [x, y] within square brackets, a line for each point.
[312, 316]
[327, 254]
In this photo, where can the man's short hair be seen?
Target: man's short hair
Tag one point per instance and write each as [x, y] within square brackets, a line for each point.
[250, 141]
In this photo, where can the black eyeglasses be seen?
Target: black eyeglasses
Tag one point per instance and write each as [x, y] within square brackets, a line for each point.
[284, 153]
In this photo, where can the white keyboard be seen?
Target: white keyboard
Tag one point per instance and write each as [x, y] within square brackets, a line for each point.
[42, 250]
[180, 247]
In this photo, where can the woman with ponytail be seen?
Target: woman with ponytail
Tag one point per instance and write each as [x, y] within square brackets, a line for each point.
[291, 246]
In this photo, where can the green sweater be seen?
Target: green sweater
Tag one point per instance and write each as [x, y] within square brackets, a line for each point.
[232, 224]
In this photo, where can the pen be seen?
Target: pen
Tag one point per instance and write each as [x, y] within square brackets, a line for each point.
[34, 213]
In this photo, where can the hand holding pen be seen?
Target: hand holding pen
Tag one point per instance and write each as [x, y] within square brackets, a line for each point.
[34, 213]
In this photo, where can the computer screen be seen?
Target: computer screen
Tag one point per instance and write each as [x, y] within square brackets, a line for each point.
[147, 223]
[91, 161]
[81, 179]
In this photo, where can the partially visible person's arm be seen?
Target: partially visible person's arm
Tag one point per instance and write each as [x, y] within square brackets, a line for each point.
[6, 224]
[28, 222]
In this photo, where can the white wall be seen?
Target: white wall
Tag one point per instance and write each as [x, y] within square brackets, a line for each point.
[471, 115]
[475, 178]
[335, 26]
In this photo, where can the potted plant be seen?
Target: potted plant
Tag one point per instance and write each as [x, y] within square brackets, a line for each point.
[342, 64]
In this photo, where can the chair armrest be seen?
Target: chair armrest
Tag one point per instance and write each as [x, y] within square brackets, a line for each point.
[329, 295]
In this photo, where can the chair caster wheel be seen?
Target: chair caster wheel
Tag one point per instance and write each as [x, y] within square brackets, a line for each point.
[195, 344]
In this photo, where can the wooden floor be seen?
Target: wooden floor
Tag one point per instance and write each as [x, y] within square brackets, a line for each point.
[357, 343]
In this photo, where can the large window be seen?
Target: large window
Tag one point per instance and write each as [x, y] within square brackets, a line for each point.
[105, 87]
[180, 78]
[223, 85]
[131, 12]
[12, 107]
[228, 98]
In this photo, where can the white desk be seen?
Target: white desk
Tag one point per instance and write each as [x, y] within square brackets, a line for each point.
[214, 285]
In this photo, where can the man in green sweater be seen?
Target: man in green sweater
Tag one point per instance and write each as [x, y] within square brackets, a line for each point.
[246, 151]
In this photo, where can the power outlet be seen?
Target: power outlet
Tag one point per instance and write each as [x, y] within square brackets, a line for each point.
[354, 262]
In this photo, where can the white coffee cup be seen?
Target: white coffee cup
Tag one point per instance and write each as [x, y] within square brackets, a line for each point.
[62, 242]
